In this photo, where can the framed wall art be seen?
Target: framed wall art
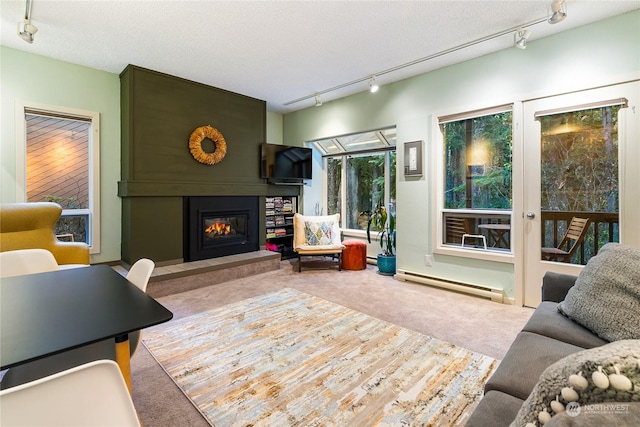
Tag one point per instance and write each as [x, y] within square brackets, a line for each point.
[413, 158]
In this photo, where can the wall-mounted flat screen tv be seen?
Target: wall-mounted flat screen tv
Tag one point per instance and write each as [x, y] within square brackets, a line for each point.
[285, 162]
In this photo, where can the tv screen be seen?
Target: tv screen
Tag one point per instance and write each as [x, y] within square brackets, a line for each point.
[285, 162]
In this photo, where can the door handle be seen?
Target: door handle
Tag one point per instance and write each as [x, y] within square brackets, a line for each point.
[531, 215]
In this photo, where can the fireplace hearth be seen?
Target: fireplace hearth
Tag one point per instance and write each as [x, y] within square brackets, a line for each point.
[216, 226]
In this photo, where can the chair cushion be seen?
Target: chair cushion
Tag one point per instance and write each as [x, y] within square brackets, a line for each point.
[300, 231]
[606, 296]
[318, 232]
[319, 249]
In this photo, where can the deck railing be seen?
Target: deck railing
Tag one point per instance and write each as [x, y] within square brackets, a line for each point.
[603, 228]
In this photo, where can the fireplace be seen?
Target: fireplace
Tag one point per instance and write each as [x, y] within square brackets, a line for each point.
[216, 226]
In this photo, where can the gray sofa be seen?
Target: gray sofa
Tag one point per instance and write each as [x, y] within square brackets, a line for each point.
[545, 339]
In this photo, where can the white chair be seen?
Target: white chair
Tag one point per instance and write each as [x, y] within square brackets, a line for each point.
[317, 236]
[139, 275]
[26, 261]
[458, 230]
[93, 394]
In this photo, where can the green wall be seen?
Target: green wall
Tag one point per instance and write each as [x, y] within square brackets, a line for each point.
[37, 79]
[598, 54]
[159, 113]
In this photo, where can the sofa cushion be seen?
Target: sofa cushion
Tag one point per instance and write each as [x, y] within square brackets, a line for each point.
[496, 409]
[606, 296]
[547, 321]
[556, 285]
[527, 358]
[617, 364]
[621, 414]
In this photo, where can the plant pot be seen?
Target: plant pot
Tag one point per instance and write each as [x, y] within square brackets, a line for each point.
[387, 264]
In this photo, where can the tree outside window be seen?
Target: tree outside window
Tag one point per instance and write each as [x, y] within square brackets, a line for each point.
[334, 185]
[478, 179]
[365, 188]
[361, 173]
[579, 177]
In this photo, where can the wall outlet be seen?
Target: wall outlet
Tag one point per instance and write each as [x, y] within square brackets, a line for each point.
[428, 261]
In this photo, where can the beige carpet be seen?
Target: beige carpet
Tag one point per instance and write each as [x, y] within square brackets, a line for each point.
[290, 358]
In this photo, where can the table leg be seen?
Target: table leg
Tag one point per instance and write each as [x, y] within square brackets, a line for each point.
[502, 240]
[123, 358]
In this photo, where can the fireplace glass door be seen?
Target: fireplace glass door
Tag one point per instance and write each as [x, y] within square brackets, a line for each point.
[220, 229]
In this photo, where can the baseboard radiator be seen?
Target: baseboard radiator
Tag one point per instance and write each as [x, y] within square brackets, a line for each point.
[479, 290]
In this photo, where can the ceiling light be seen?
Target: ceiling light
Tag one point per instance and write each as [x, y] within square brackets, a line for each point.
[520, 38]
[318, 101]
[373, 86]
[557, 12]
[26, 31]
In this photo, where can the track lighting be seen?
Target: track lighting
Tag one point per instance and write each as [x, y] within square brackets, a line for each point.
[520, 38]
[318, 101]
[373, 86]
[26, 31]
[557, 12]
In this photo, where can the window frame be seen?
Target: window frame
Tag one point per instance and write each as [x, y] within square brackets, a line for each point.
[438, 207]
[93, 212]
[385, 150]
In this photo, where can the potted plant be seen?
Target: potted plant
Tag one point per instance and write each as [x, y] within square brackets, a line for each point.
[385, 223]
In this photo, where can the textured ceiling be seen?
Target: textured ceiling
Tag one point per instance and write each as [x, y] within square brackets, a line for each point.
[281, 51]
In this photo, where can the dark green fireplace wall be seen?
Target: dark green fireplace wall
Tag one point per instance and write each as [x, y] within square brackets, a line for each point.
[154, 228]
[159, 112]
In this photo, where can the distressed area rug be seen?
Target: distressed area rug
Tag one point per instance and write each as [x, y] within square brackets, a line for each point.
[287, 358]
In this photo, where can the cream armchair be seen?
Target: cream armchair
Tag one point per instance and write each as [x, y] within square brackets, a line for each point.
[317, 236]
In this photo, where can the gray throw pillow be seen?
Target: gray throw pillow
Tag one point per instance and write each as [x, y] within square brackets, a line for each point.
[569, 386]
[606, 296]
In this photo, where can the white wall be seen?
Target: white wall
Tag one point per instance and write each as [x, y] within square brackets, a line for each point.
[603, 53]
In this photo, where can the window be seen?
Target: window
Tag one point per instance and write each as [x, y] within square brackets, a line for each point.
[579, 177]
[476, 193]
[61, 166]
[360, 171]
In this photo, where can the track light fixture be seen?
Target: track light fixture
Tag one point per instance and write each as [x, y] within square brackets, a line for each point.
[558, 12]
[26, 31]
[520, 38]
[318, 101]
[373, 86]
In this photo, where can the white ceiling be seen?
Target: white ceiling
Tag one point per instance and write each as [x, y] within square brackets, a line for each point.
[280, 51]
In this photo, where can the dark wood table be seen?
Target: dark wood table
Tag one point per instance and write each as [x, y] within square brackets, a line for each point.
[498, 232]
[48, 313]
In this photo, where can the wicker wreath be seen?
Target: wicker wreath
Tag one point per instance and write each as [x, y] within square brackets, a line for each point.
[195, 145]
